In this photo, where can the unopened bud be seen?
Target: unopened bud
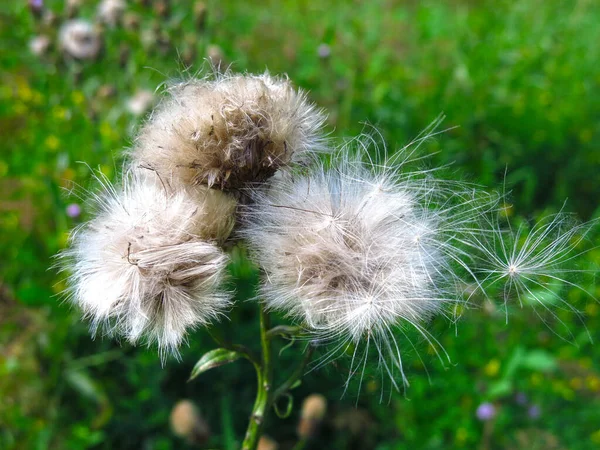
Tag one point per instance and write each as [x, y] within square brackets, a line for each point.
[314, 408]
[200, 13]
[187, 423]
[216, 56]
[266, 443]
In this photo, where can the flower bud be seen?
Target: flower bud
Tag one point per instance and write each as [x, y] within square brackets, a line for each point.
[215, 54]
[266, 443]
[200, 13]
[187, 423]
[314, 408]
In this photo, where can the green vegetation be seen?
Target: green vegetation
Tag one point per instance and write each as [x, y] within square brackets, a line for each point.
[519, 80]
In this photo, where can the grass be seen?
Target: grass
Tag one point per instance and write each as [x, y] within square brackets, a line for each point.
[519, 80]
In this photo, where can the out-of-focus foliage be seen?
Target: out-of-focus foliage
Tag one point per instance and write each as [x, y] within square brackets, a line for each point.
[521, 80]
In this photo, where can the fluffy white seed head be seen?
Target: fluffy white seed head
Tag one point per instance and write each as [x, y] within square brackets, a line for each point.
[39, 45]
[79, 39]
[140, 102]
[354, 251]
[228, 130]
[147, 266]
[111, 11]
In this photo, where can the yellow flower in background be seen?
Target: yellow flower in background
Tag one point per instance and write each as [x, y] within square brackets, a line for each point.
[107, 131]
[595, 437]
[591, 309]
[60, 113]
[593, 383]
[24, 92]
[52, 142]
[461, 435]
[536, 379]
[492, 368]
[78, 98]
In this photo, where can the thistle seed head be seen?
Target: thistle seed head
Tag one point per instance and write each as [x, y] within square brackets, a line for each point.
[355, 250]
[147, 266]
[228, 131]
[79, 39]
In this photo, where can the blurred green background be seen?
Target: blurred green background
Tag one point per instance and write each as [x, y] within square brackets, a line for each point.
[520, 80]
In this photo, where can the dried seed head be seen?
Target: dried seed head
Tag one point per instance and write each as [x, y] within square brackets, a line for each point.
[228, 131]
[79, 39]
[354, 251]
[187, 423]
[147, 266]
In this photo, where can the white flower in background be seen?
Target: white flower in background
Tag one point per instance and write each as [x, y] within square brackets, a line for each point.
[148, 265]
[111, 11]
[360, 251]
[228, 131]
[140, 102]
[79, 39]
[38, 45]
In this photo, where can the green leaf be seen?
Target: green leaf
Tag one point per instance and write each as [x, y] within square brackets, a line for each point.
[539, 360]
[500, 389]
[214, 358]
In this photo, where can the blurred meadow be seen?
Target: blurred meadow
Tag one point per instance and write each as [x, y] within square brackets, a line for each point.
[519, 81]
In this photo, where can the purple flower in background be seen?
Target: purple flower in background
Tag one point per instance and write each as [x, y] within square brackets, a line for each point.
[486, 411]
[73, 210]
[534, 412]
[36, 6]
[324, 51]
[521, 398]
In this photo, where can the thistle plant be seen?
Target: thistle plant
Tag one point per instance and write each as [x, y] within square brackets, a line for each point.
[355, 246]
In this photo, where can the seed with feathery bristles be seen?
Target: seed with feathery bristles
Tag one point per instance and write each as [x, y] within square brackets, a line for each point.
[147, 266]
[228, 131]
[533, 264]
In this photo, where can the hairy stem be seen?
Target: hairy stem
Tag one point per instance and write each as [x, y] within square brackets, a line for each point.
[264, 375]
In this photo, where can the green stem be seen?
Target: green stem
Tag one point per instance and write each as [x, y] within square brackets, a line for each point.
[264, 375]
[296, 375]
[265, 394]
[236, 347]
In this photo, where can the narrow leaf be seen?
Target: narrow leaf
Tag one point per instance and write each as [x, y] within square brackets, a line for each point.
[214, 358]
